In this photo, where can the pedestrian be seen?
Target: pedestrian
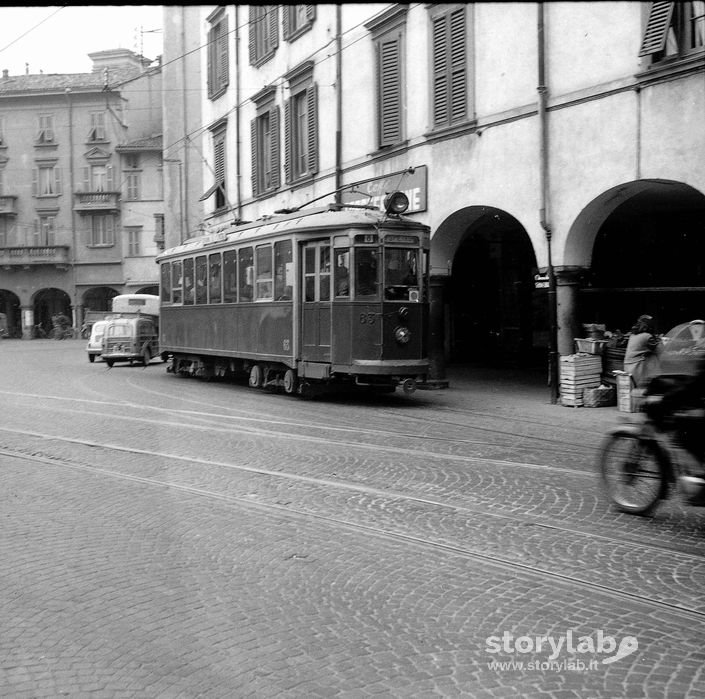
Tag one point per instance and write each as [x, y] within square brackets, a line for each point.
[642, 358]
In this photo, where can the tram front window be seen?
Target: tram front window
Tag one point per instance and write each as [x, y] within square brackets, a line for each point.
[365, 272]
[401, 274]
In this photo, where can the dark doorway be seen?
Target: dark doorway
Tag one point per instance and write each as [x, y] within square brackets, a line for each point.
[497, 317]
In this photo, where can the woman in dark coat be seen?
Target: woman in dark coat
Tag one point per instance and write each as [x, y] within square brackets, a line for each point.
[643, 350]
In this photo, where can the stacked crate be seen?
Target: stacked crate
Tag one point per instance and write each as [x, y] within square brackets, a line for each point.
[578, 372]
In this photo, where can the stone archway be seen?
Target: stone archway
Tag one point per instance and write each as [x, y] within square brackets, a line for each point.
[99, 299]
[48, 303]
[494, 313]
[11, 309]
[644, 246]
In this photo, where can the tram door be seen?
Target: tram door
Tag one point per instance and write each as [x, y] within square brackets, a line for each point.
[316, 306]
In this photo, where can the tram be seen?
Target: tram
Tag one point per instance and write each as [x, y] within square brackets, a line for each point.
[333, 296]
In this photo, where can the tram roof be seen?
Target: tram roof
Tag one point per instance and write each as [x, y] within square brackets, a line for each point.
[333, 216]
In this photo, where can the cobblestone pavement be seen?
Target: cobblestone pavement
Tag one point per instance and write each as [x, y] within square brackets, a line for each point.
[174, 538]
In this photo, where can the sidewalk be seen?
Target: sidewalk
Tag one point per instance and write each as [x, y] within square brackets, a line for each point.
[518, 392]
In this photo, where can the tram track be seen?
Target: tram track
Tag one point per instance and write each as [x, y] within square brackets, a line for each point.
[544, 523]
[532, 571]
[514, 439]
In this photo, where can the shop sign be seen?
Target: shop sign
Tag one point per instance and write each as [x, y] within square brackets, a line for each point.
[540, 281]
[412, 182]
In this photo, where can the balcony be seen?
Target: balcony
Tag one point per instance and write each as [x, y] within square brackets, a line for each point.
[92, 202]
[8, 205]
[28, 256]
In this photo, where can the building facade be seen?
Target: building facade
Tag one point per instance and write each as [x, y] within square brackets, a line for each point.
[81, 202]
[556, 150]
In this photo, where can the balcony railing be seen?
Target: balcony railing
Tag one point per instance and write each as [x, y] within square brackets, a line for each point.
[24, 256]
[96, 201]
[8, 204]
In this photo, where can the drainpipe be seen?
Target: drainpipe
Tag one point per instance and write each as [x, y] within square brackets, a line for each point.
[184, 187]
[543, 216]
[338, 102]
[77, 312]
[238, 173]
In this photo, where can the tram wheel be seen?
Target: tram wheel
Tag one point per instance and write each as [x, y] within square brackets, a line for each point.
[256, 376]
[290, 381]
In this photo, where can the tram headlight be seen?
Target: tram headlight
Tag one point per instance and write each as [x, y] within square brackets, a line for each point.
[403, 313]
[396, 203]
[402, 334]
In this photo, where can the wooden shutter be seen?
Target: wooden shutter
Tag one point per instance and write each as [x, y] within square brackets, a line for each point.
[289, 11]
[312, 135]
[441, 106]
[57, 180]
[389, 90]
[288, 160]
[273, 28]
[254, 151]
[223, 54]
[35, 182]
[310, 12]
[86, 179]
[255, 17]
[109, 178]
[450, 91]
[657, 28]
[219, 158]
[458, 66]
[211, 61]
[274, 144]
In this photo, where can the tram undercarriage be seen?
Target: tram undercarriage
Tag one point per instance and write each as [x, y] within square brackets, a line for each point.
[277, 376]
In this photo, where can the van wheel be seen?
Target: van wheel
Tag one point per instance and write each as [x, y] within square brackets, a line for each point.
[290, 382]
[146, 356]
[91, 358]
[256, 376]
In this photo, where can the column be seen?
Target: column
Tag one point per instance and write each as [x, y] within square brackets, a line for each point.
[436, 333]
[568, 280]
[27, 313]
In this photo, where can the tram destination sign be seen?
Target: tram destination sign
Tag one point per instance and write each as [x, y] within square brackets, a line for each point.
[413, 182]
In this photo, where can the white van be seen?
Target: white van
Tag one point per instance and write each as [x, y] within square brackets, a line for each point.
[95, 341]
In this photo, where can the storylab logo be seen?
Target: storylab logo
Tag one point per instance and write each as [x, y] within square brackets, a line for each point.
[563, 652]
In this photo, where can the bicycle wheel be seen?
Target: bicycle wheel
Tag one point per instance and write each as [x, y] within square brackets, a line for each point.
[632, 473]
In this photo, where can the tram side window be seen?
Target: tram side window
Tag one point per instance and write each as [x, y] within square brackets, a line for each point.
[214, 278]
[230, 276]
[201, 279]
[264, 271]
[341, 278]
[246, 274]
[283, 271]
[188, 281]
[324, 274]
[176, 282]
[166, 282]
[401, 274]
[365, 272]
[310, 274]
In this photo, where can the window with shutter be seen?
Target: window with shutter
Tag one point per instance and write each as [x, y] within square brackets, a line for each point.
[673, 30]
[218, 58]
[301, 125]
[265, 144]
[449, 54]
[219, 169]
[389, 39]
[297, 20]
[389, 91]
[264, 33]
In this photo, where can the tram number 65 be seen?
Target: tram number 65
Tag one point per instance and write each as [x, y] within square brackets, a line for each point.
[367, 318]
